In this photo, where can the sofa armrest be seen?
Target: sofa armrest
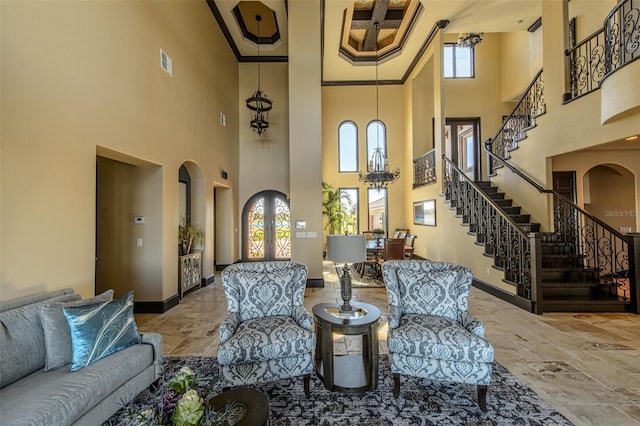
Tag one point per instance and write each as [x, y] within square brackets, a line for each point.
[302, 317]
[155, 340]
[472, 324]
[229, 326]
[394, 316]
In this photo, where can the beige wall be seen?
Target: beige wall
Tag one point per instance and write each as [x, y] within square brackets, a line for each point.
[589, 15]
[515, 73]
[77, 75]
[305, 132]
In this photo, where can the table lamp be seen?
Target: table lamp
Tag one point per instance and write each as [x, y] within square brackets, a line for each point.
[346, 249]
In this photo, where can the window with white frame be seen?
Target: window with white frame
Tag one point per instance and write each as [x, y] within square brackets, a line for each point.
[376, 137]
[458, 61]
[348, 147]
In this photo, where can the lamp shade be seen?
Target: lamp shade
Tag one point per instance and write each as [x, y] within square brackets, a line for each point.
[346, 248]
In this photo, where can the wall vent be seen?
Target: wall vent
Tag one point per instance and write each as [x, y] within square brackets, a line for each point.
[166, 63]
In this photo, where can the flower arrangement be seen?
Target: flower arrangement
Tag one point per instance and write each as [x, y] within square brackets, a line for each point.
[179, 401]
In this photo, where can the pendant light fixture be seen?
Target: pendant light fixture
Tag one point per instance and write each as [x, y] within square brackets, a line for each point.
[258, 103]
[379, 176]
[469, 40]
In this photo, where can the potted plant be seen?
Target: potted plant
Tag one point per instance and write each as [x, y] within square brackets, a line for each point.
[378, 233]
[187, 235]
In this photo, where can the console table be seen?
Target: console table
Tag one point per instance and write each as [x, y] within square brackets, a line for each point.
[190, 271]
[348, 373]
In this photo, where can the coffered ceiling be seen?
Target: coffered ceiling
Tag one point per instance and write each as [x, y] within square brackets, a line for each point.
[350, 45]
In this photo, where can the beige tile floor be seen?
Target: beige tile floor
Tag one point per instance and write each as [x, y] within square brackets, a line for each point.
[587, 366]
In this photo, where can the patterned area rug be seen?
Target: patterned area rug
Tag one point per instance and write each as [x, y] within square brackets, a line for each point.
[368, 280]
[421, 402]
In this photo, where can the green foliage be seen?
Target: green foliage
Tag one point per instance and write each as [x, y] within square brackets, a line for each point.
[338, 208]
[188, 233]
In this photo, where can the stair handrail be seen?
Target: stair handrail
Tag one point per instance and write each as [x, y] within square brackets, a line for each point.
[541, 189]
[520, 261]
[485, 196]
[500, 131]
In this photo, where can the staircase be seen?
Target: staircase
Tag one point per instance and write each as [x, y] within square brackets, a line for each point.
[567, 284]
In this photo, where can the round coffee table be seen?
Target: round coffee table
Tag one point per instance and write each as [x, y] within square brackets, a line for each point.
[256, 403]
[347, 373]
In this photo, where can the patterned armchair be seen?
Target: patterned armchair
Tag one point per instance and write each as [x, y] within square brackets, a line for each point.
[431, 333]
[267, 333]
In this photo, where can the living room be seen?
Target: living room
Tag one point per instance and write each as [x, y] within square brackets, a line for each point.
[82, 87]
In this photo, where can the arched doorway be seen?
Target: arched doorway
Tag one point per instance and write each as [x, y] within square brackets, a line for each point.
[266, 227]
[610, 195]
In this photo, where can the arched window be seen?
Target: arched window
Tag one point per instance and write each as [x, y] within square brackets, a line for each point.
[348, 147]
[376, 137]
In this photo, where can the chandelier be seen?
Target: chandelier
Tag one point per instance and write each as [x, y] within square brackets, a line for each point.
[469, 40]
[379, 176]
[258, 103]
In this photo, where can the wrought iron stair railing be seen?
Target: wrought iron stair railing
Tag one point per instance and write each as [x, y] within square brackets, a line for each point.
[605, 51]
[424, 169]
[598, 246]
[515, 125]
[515, 251]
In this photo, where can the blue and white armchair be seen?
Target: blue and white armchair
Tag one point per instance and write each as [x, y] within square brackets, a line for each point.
[431, 334]
[267, 333]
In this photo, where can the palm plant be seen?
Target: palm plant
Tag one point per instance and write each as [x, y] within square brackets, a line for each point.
[335, 205]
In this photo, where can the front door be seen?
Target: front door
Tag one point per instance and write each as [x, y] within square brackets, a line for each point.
[266, 224]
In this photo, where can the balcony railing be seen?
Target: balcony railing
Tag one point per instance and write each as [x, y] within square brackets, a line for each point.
[424, 169]
[605, 51]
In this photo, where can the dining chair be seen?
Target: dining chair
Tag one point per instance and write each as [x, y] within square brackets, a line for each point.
[393, 250]
[408, 246]
[372, 257]
[400, 232]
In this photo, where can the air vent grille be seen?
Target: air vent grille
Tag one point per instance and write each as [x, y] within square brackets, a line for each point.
[166, 63]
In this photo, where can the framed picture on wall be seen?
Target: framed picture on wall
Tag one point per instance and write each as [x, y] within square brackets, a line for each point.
[424, 212]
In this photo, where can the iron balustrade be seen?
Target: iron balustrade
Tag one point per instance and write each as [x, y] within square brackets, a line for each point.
[514, 251]
[522, 118]
[605, 51]
[598, 246]
[588, 67]
[424, 169]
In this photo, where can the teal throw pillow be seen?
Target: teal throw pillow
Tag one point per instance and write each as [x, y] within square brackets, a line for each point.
[100, 330]
[57, 337]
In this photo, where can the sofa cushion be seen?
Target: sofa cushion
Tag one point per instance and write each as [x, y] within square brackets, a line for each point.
[100, 330]
[265, 339]
[60, 397]
[57, 336]
[28, 300]
[22, 349]
[432, 337]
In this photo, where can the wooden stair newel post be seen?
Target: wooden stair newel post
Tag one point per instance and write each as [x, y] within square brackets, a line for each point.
[633, 242]
[535, 241]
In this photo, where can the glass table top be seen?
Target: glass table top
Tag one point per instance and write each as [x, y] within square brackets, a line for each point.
[355, 312]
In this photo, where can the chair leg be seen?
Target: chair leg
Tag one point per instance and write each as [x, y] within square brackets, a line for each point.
[307, 380]
[396, 385]
[482, 397]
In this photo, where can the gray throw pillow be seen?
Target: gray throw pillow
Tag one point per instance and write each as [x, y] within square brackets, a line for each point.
[57, 335]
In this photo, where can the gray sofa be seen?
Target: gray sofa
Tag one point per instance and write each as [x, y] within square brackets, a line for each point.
[29, 395]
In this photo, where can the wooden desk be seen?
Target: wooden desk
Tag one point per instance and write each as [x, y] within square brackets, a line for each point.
[348, 373]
